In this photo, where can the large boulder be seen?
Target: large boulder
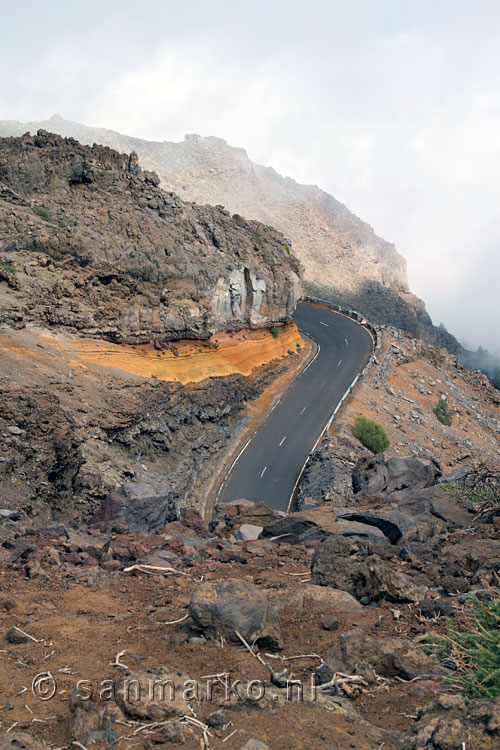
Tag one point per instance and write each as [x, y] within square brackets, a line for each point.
[248, 532]
[376, 475]
[453, 722]
[153, 695]
[389, 657]
[433, 506]
[393, 524]
[294, 525]
[221, 609]
[341, 564]
[375, 580]
[335, 561]
[140, 506]
[327, 600]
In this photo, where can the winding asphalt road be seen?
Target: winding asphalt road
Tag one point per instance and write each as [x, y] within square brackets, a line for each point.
[270, 463]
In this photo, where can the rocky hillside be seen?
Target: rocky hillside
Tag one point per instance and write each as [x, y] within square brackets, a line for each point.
[91, 243]
[344, 259]
[259, 632]
[91, 249]
[400, 393]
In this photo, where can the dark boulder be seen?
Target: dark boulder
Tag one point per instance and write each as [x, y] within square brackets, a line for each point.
[139, 506]
[294, 525]
[221, 609]
[378, 475]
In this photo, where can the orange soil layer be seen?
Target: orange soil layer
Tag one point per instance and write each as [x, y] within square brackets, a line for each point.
[223, 354]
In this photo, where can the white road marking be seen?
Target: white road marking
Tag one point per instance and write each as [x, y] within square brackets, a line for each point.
[346, 342]
[274, 407]
[232, 466]
[303, 410]
[324, 324]
[263, 471]
[339, 363]
[283, 440]
[312, 360]
[239, 454]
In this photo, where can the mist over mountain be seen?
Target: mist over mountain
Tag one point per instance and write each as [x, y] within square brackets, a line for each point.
[343, 258]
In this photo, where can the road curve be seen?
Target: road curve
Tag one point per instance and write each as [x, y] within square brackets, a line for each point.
[270, 463]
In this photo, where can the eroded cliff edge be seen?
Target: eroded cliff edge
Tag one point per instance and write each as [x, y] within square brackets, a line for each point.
[91, 248]
[100, 249]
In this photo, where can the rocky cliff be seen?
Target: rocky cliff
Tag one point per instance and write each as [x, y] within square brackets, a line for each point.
[344, 259]
[91, 243]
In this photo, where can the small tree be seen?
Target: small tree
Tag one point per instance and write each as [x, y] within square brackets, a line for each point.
[443, 412]
[275, 332]
[371, 434]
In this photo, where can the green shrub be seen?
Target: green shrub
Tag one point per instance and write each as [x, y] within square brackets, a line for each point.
[42, 212]
[474, 647]
[275, 330]
[371, 434]
[10, 267]
[287, 248]
[443, 412]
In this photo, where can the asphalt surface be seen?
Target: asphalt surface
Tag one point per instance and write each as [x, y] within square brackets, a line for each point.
[270, 463]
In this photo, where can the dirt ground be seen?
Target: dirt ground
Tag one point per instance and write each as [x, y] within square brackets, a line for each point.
[80, 627]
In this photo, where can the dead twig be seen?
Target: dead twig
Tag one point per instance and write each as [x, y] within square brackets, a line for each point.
[117, 662]
[280, 679]
[174, 622]
[345, 681]
[298, 656]
[32, 638]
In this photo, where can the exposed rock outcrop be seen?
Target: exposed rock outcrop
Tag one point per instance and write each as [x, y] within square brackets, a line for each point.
[344, 259]
[90, 243]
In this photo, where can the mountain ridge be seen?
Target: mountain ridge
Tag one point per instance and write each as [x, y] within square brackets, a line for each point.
[343, 258]
[136, 262]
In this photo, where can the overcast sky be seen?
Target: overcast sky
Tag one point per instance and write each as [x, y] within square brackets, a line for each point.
[393, 106]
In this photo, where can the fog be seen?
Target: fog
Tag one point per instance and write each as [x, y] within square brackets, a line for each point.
[392, 107]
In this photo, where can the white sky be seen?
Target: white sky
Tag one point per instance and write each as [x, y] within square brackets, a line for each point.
[393, 106]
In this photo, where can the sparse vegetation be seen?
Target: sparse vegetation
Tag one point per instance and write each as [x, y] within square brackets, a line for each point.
[145, 293]
[42, 212]
[287, 248]
[371, 434]
[443, 412]
[480, 486]
[275, 330]
[9, 267]
[474, 647]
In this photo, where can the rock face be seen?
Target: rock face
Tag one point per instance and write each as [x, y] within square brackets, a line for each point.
[95, 246]
[123, 450]
[336, 564]
[375, 475]
[236, 605]
[343, 258]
